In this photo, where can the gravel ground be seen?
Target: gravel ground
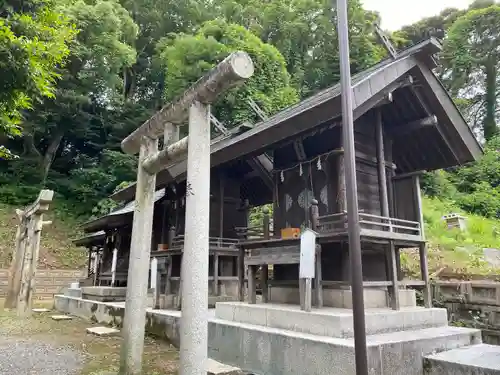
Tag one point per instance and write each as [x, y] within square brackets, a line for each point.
[29, 357]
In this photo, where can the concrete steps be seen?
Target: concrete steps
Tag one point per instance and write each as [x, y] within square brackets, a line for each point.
[331, 322]
[479, 359]
[267, 350]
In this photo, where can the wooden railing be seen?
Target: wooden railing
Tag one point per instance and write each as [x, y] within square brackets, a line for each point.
[219, 242]
[337, 223]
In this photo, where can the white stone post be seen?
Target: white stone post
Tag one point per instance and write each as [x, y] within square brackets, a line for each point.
[194, 333]
[113, 266]
[140, 249]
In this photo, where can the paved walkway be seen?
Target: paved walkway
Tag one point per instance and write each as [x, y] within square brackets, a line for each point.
[30, 357]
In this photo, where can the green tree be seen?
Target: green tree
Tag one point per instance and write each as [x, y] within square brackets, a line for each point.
[472, 56]
[305, 33]
[185, 58]
[91, 86]
[34, 39]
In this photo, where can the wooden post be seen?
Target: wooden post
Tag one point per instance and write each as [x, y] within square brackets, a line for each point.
[216, 274]
[394, 288]
[425, 275]
[318, 280]
[252, 293]
[264, 267]
[168, 282]
[341, 194]
[24, 261]
[17, 262]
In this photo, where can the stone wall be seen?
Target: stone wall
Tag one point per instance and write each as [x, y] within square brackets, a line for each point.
[48, 282]
[472, 303]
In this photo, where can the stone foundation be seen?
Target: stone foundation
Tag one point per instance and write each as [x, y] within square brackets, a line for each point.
[273, 343]
[110, 294]
[342, 298]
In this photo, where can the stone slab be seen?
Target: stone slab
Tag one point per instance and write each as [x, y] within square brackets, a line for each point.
[472, 360]
[217, 368]
[74, 292]
[61, 317]
[103, 331]
[330, 322]
[40, 310]
[104, 291]
[342, 298]
[263, 350]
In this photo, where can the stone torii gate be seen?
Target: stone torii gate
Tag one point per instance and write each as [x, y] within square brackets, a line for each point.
[194, 105]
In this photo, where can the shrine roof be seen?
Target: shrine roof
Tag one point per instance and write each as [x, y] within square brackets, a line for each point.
[370, 87]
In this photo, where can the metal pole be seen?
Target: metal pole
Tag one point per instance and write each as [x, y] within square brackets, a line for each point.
[194, 321]
[351, 192]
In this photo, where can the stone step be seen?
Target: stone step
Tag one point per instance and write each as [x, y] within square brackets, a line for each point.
[479, 359]
[265, 350]
[330, 322]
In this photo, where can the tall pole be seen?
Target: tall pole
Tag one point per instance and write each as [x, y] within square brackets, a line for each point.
[351, 192]
[194, 322]
[138, 270]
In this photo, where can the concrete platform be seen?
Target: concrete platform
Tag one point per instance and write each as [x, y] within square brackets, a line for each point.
[473, 360]
[103, 331]
[266, 350]
[330, 322]
[342, 298]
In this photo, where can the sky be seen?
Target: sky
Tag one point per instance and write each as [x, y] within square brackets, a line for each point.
[398, 13]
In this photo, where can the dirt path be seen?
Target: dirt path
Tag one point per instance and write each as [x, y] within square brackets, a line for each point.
[41, 346]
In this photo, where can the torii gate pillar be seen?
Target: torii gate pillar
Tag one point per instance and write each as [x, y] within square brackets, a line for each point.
[194, 104]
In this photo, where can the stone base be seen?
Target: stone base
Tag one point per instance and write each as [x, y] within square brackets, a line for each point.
[330, 322]
[342, 298]
[260, 349]
[104, 293]
[103, 331]
[171, 301]
[74, 292]
[110, 294]
[472, 360]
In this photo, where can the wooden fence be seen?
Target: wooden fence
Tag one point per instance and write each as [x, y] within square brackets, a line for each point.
[48, 282]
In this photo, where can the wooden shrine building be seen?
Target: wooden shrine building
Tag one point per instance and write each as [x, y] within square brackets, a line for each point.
[405, 124]
[227, 213]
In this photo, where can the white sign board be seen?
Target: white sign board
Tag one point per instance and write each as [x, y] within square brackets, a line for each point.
[307, 254]
[154, 271]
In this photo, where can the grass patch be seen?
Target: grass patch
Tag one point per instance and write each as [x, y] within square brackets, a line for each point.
[56, 248]
[101, 355]
[460, 252]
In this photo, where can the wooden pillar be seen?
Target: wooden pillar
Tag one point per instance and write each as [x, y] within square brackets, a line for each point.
[252, 293]
[318, 280]
[168, 282]
[265, 267]
[17, 262]
[394, 288]
[23, 303]
[382, 178]
[424, 270]
[89, 261]
[216, 274]
[341, 188]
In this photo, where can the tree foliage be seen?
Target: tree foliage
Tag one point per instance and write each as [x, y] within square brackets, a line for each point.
[34, 39]
[472, 54]
[185, 58]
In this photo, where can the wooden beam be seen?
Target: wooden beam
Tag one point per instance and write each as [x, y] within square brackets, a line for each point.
[232, 71]
[425, 122]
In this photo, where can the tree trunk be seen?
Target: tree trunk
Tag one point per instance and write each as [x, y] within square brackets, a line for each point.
[29, 147]
[50, 153]
[490, 128]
